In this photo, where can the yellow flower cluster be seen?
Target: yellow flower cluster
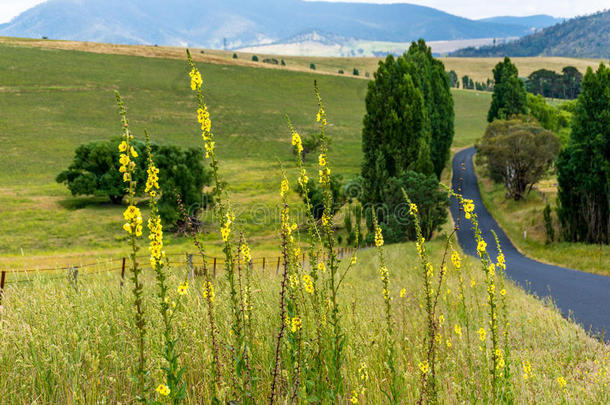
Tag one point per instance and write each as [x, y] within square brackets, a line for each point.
[324, 170]
[163, 390]
[482, 334]
[321, 266]
[501, 261]
[127, 165]
[245, 249]
[482, 245]
[156, 240]
[208, 290]
[303, 179]
[378, 237]
[295, 324]
[297, 143]
[499, 359]
[527, 370]
[384, 274]
[183, 288]
[424, 367]
[562, 382]
[412, 209]
[308, 283]
[419, 245]
[196, 80]
[152, 181]
[455, 259]
[203, 117]
[225, 230]
[458, 330]
[403, 292]
[354, 260]
[209, 148]
[468, 208]
[134, 220]
[284, 187]
[321, 116]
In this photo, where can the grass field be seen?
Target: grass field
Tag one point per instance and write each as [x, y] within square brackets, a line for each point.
[517, 217]
[68, 99]
[88, 353]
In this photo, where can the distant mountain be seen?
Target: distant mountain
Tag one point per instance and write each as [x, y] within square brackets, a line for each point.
[532, 22]
[239, 23]
[581, 37]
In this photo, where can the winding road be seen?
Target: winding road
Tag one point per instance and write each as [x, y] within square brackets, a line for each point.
[584, 297]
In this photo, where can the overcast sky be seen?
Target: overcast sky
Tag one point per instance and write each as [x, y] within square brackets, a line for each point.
[465, 8]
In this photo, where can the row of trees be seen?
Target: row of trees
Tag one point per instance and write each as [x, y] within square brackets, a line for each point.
[518, 148]
[408, 130]
[551, 84]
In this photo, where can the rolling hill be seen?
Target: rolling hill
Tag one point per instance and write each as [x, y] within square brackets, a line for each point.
[235, 23]
[581, 37]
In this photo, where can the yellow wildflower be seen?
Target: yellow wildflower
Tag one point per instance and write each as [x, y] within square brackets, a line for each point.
[196, 80]
[123, 146]
[297, 143]
[284, 187]
[458, 329]
[412, 209]
[481, 246]
[183, 288]
[321, 266]
[561, 381]
[403, 292]
[482, 333]
[295, 324]
[424, 367]
[163, 389]
[441, 319]
[455, 259]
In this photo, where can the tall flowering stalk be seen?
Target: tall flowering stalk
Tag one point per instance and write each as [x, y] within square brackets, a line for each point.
[328, 239]
[133, 226]
[489, 268]
[387, 299]
[173, 386]
[226, 219]
[285, 321]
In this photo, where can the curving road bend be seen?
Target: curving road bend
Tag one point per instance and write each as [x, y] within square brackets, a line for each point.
[585, 297]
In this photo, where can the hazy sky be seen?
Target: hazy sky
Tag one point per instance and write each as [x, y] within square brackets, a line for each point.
[465, 8]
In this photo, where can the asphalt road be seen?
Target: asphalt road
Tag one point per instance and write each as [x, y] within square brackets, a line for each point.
[584, 297]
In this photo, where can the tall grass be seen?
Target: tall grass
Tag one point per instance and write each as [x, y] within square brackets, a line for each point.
[323, 330]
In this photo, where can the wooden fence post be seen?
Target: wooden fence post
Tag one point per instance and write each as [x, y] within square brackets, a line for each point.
[277, 269]
[190, 264]
[2, 278]
[214, 271]
[123, 273]
[263, 264]
[303, 263]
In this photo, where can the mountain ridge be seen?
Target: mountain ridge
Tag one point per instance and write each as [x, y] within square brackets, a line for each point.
[582, 37]
[234, 23]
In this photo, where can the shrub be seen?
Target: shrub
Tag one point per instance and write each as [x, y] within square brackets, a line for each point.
[548, 224]
[271, 61]
[94, 171]
[234, 55]
[283, 62]
[254, 58]
[340, 71]
[355, 72]
[312, 66]
[424, 191]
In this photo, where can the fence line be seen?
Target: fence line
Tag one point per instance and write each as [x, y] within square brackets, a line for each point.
[195, 266]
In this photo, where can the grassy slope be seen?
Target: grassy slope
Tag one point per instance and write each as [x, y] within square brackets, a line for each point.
[86, 354]
[68, 99]
[515, 217]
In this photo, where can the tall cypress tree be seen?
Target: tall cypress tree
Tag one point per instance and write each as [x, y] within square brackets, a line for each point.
[394, 127]
[509, 96]
[584, 166]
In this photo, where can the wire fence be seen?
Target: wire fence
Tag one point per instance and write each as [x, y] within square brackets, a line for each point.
[196, 264]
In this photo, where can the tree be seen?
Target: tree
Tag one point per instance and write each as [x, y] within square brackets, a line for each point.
[571, 82]
[466, 81]
[355, 72]
[509, 96]
[517, 153]
[424, 191]
[254, 58]
[316, 196]
[312, 66]
[408, 123]
[234, 55]
[583, 168]
[453, 78]
[95, 171]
